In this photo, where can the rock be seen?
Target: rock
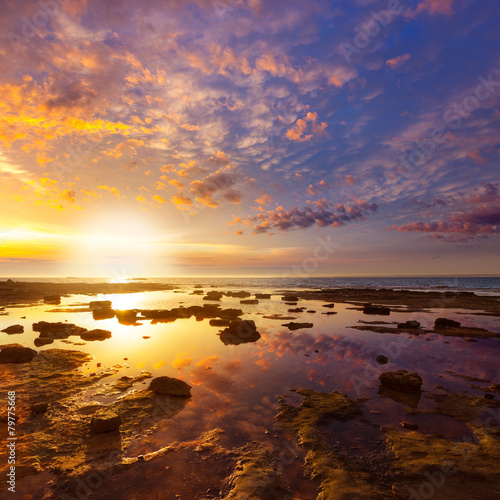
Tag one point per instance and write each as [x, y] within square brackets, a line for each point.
[297, 326]
[220, 322]
[230, 313]
[295, 310]
[16, 354]
[105, 421]
[238, 295]
[57, 330]
[329, 313]
[39, 408]
[52, 299]
[445, 323]
[198, 292]
[126, 314]
[198, 286]
[169, 386]
[402, 381]
[14, 329]
[40, 342]
[489, 396]
[409, 325]
[249, 301]
[369, 309]
[331, 306]
[240, 331]
[381, 359]
[96, 335]
[213, 295]
[409, 426]
[290, 298]
[99, 313]
[10, 282]
[262, 295]
[96, 304]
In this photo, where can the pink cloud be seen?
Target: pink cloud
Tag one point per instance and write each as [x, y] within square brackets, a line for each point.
[436, 7]
[396, 62]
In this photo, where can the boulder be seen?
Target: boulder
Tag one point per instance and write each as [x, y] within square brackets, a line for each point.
[369, 309]
[262, 295]
[445, 323]
[240, 331]
[409, 325]
[169, 386]
[99, 313]
[40, 342]
[105, 421]
[331, 306]
[381, 359]
[14, 329]
[290, 298]
[230, 313]
[297, 326]
[16, 354]
[402, 380]
[96, 335]
[296, 310]
[213, 295]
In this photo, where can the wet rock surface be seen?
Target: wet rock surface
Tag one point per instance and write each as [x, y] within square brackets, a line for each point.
[402, 380]
[169, 386]
[16, 354]
[240, 332]
[14, 329]
[297, 326]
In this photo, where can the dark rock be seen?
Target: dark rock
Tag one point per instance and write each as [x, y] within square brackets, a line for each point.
[331, 306]
[489, 396]
[369, 309]
[40, 342]
[262, 295]
[57, 330]
[445, 323]
[329, 313]
[52, 299]
[39, 408]
[311, 311]
[409, 325]
[249, 301]
[126, 315]
[381, 359]
[297, 326]
[240, 331]
[105, 421]
[296, 310]
[409, 426]
[96, 335]
[290, 298]
[14, 329]
[16, 354]
[402, 381]
[220, 322]
[213, 295]
[238, 295]
[198, 292]
[230, 313]
[198, 286]
[99, 313]
[169, 386]
[96, 304]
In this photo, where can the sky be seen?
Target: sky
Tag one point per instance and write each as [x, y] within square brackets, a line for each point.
[249, 138]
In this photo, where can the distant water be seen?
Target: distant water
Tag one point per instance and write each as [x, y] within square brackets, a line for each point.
[488, 285]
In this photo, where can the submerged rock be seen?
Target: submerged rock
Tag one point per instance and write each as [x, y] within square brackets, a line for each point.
[105, 421]
[169, 386]
[16, 354]
[297, 326]
[99, 313]
[96, 304]
[57, 330]
[240, 331]
[14, 329]
[445, 323]
[402, 380]
[52, 299]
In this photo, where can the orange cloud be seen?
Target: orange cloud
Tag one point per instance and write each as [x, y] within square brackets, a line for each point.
[112, 190]
[436, 7]
[298, 133]
[398, 61]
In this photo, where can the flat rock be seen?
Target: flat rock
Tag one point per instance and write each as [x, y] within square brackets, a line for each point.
[297, 326]
[14, 329]
[290, 298]
[262, 295]
[402, 380]
[16, 354]
[249, 301]
[409, 325]
[445, 323]
[169, 386]
[105, 421]
[369, 309]
[95, 335]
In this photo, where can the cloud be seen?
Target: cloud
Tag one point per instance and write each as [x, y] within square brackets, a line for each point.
[322, 213]
[114, 191]
[398, 61]
[221, 181]
[298, 132]
[349, 179]
[436, 7]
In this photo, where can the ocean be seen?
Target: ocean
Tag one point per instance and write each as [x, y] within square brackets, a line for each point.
[487, 285]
